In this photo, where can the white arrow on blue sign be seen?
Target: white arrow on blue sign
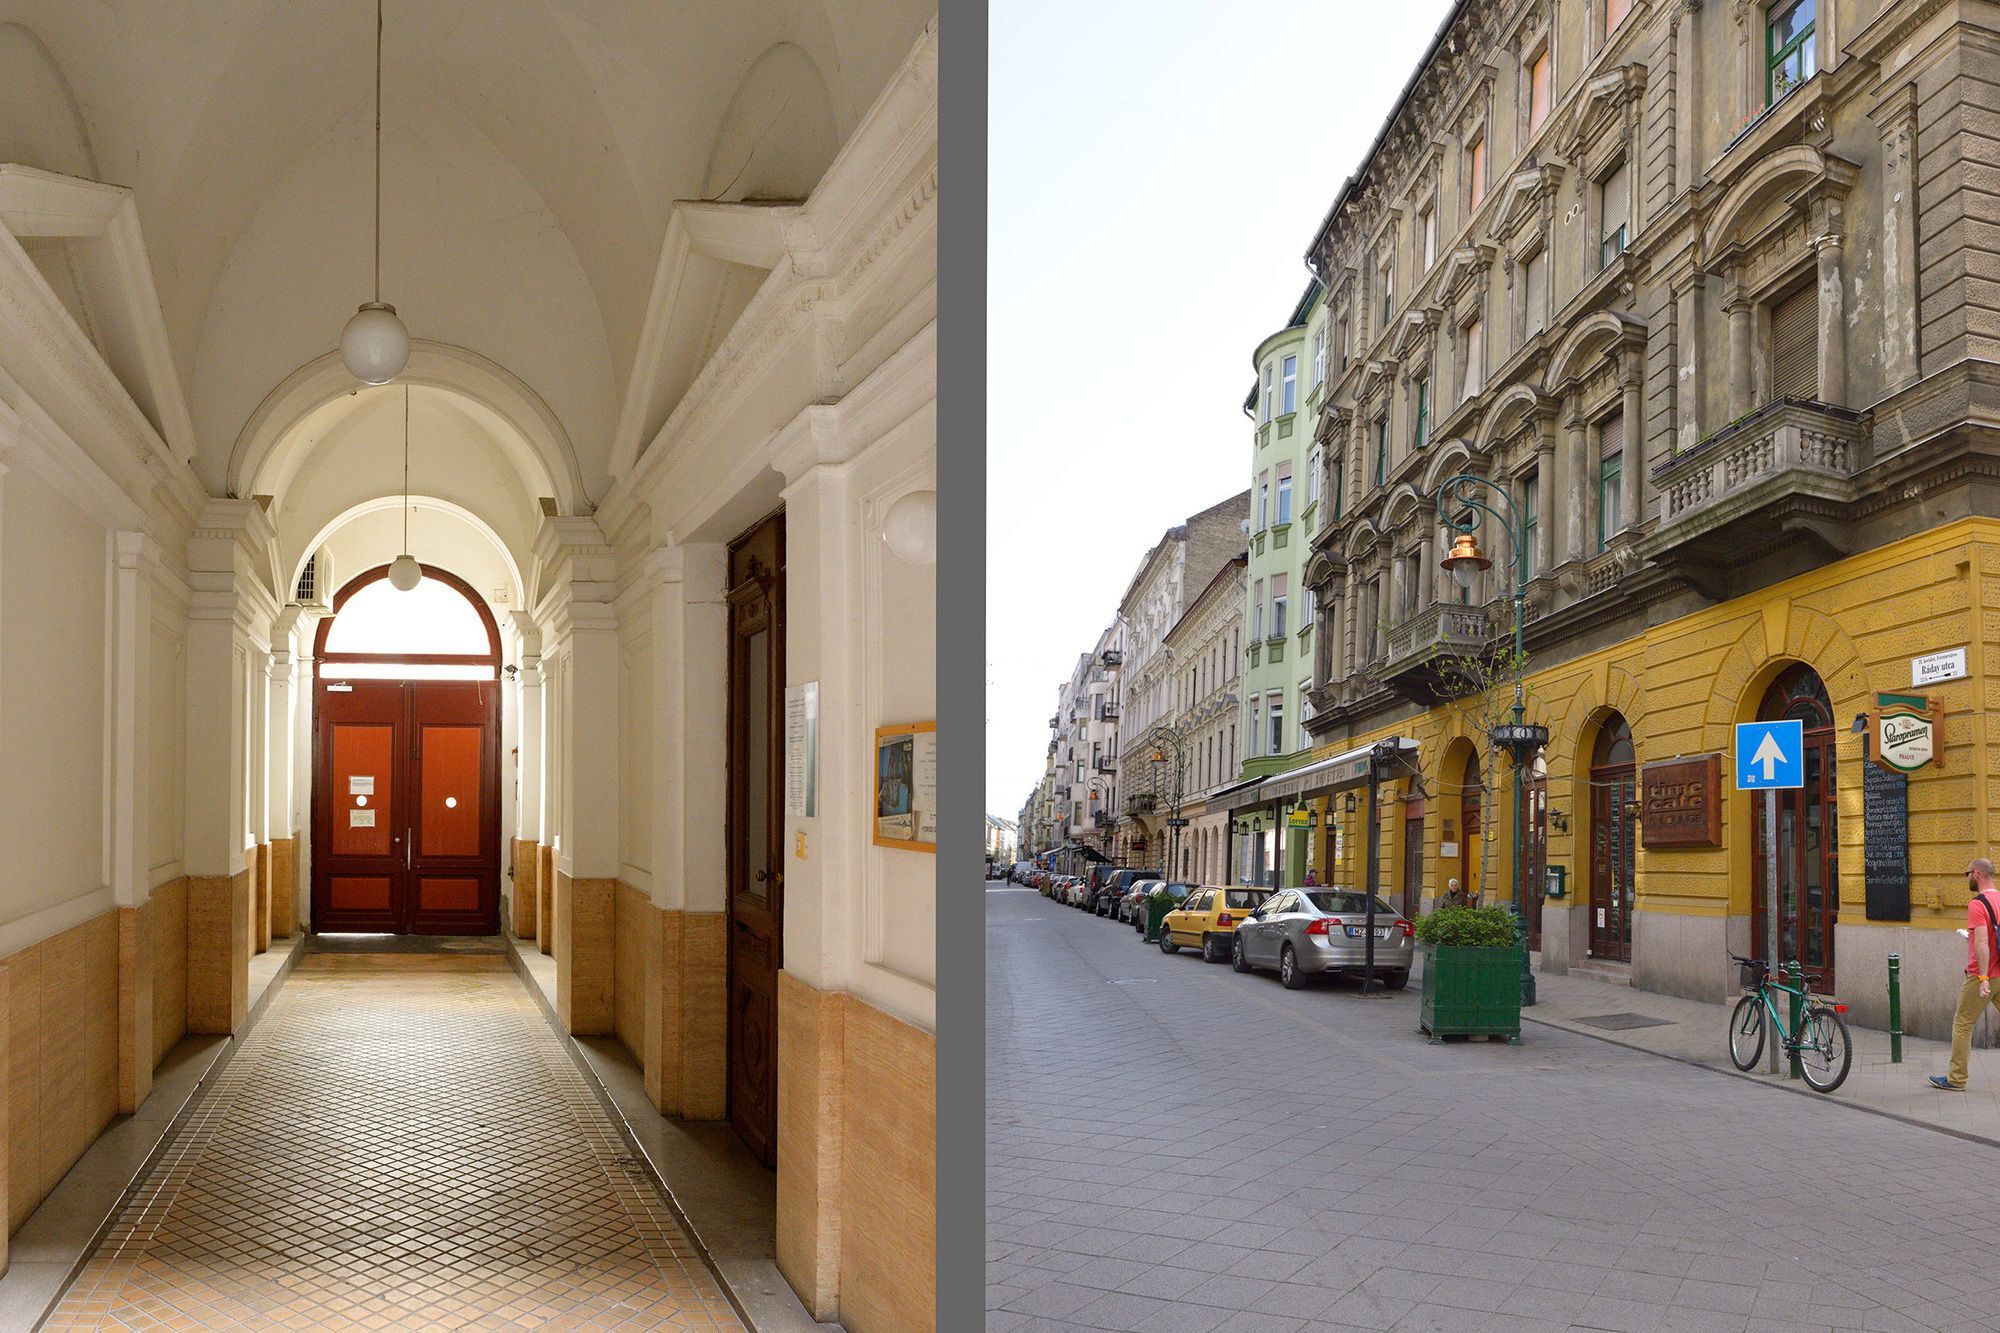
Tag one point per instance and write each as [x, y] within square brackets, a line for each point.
[1770, 755]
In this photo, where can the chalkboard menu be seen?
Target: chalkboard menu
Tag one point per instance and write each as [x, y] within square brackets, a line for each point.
[1885, 829]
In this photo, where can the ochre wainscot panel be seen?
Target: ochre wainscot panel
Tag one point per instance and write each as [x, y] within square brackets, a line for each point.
[888, 1196]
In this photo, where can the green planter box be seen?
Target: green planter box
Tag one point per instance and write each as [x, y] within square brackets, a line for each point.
[1471, 992]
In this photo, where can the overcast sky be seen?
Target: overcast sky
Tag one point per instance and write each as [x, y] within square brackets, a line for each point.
[1157, 171]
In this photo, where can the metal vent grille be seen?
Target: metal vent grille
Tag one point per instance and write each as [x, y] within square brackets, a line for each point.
[308, 581]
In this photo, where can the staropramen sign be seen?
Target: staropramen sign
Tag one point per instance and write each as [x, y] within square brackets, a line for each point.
[1905, 732]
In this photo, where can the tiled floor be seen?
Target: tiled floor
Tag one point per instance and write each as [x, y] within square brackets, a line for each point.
[402, 1142]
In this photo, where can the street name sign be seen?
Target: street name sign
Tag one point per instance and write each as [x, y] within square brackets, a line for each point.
[1770, 755]
[1934, 667]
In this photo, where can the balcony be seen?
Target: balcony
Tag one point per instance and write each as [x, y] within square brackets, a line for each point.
[1141, 803]
[1110, 713]
[1783, 476]
[1422, 648]
[1111, 657]
[1105, 764]
[1101, 818]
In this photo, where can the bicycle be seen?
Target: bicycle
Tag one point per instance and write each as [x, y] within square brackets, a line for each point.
[1821, 1044]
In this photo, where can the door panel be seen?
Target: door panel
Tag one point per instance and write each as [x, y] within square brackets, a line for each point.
[363, 789]
[355, 893]
[756, 830]
[450, 785]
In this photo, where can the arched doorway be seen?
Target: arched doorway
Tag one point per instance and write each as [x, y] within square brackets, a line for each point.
[1471, 808]
[1808, 838]
[1613, 834]
[406, 760]
[1537, 867]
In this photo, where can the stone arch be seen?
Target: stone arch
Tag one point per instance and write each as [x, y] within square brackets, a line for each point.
[1360, 537]
[1770, 643]
[390, 502]
[1506, 409]
[1592, 334]
[1402, 503]
[541, 452]
[1775, 174]
[1321, 569]
[1455, 456]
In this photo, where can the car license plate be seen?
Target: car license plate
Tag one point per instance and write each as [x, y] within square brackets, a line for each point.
[1361, 932]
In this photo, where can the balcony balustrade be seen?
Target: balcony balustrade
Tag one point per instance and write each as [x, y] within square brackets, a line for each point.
[1422, 646]
[1783, 474]
[1141, 803]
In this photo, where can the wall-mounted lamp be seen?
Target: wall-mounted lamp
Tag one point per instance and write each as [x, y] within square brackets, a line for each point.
[1558, 821]
[511, 670]
[1350, 803]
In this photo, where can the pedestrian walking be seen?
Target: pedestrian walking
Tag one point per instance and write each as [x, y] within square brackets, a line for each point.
[1982, 970]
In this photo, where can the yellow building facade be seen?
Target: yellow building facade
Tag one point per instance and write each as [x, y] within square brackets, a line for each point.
[1680, 688]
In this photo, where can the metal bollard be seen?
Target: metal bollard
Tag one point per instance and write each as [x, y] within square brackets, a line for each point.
[1895, 1009]
[1793, 974]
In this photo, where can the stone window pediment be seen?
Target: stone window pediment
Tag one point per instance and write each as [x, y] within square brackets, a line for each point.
[1415, 331]
[1528, 206]
[1608, 109]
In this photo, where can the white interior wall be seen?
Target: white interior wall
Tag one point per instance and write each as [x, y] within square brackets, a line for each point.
[54, 581]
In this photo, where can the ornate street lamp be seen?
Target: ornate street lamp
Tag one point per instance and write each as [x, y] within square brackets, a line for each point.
[1519, 738]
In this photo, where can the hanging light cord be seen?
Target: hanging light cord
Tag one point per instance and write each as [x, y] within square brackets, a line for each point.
[378, 152]
[406, 469]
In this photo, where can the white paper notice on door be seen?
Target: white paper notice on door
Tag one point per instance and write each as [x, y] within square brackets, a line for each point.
[802, 749]
[361, 784]
[1600, 918]
[361, 819]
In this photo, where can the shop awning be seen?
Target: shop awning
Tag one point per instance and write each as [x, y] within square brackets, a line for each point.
[1340, 773]
[1237, 798]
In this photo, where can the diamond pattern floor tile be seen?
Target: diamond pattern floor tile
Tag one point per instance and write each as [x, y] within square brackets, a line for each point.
[402, 1142]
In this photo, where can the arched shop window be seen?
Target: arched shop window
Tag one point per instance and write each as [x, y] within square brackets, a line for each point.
[438, 630]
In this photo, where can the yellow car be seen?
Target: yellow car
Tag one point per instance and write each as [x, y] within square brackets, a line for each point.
[1207, 920]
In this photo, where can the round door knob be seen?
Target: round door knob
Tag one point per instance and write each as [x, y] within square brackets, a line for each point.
[763, 875]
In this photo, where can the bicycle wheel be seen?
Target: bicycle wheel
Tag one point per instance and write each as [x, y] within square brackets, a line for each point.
[1746, 1033]
[1824, 1050]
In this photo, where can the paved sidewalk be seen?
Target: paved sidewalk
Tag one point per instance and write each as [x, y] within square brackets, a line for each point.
[1697, 1032]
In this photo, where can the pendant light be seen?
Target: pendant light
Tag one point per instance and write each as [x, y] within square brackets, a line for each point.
[375, 345]
[404, 571]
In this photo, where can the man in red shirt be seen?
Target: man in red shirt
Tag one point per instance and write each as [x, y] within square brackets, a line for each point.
[1982, 970]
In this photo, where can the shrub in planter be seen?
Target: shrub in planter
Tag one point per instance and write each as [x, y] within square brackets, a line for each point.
[1472, 973]
[1467, 927]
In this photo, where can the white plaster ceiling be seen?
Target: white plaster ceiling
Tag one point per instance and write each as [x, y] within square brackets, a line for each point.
[531, 149]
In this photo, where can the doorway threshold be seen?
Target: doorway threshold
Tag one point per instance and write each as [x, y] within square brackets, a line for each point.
[727, 1199]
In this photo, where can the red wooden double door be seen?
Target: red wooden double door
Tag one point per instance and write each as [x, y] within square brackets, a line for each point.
[406, 810]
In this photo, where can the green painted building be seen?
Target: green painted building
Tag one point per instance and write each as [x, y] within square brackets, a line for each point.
[1286, 508]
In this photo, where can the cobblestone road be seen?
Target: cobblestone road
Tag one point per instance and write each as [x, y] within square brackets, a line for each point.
[1173, 1146]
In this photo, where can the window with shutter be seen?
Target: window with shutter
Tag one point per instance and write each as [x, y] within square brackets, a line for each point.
[1610, 478]
[1537, 289]
[1795, 345]
[1614, 207]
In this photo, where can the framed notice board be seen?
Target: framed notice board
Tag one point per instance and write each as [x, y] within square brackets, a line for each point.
[906, 786]
[1885, 842]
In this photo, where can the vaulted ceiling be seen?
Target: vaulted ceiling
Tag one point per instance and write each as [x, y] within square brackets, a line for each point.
[531, 152]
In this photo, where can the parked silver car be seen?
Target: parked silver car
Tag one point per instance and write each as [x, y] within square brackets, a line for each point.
[1305, 932]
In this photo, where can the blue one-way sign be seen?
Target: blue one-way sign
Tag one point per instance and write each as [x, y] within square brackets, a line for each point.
[1770, 754]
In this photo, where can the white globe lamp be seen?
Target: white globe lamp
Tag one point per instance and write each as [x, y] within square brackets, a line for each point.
[375, 346]
[910, 528]
[405, 573]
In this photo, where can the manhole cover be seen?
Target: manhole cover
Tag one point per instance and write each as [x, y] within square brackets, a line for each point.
[1620, 1022]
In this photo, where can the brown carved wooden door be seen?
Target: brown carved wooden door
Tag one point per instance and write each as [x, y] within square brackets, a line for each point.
[1613, 835]
[1808, 837]
[756, 829]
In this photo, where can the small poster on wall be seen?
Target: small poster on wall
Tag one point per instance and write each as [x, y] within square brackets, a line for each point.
[906, 786]
[802, 749]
